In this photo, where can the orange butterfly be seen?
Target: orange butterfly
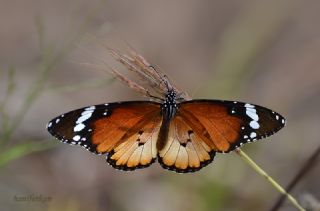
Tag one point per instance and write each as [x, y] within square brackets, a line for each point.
[183, 136]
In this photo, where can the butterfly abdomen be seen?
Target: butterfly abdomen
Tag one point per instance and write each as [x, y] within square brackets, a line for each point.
[163, 134]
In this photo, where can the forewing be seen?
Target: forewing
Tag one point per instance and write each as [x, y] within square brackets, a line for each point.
[226, 125]
[126, 131]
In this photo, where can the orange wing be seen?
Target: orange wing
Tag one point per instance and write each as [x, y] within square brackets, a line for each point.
[203, 127]
[126, 131]
[186, 150]
[229, 124]
[137, 147]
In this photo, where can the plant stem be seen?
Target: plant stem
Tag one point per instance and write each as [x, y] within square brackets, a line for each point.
[309, 164]
[23, 149]
[260, 171]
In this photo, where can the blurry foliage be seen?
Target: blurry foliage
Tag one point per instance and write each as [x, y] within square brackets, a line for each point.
[242, 43]
[214, 195]
[50, 58]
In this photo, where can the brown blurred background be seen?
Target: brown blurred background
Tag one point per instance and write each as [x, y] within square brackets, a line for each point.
[263, 52]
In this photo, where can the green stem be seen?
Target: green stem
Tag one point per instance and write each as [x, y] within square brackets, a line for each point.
[260, 171]
[23, 149]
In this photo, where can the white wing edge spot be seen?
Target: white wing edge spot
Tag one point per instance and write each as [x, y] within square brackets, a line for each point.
[91, 108]
[253, 135]
[49, 125]
[247, 105]
[76, 138]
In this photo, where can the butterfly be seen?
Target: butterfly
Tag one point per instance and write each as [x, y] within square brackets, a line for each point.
[183, 135]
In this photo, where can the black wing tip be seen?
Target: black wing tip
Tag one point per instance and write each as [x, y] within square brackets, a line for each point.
[84, 141]
[85, 145]
[189, 169]
[243, 141]
[112, 163]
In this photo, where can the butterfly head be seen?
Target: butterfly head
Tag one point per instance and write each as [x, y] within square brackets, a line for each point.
[171, 95]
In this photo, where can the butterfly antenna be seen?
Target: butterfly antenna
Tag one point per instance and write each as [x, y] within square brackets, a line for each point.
[163, 78]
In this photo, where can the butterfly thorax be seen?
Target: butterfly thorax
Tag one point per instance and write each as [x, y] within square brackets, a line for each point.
[169, 109]
[169, 106]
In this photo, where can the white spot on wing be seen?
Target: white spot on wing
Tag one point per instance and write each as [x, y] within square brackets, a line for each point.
[57, 120]
[91, 108]
[254, 125]
[252, 114]
[85, 115]
[253, 135]
[247, 105]
[83, 118]
[79, 127]
[49, 124]
[76, 138]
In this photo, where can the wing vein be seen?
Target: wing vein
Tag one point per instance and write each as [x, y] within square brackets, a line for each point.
[214, 125]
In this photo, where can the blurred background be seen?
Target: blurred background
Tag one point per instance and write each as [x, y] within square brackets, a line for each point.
[263, 52]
